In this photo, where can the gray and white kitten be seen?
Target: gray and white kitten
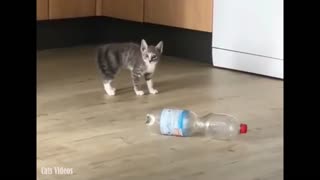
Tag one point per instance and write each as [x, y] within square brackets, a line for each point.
[140, 60]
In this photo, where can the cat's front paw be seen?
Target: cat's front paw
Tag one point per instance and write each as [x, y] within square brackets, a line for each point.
[153, 91]
[139, 93]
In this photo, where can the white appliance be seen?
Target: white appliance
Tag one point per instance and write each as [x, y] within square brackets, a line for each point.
[248, 36]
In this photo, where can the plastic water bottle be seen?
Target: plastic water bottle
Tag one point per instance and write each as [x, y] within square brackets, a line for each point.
[185, 123]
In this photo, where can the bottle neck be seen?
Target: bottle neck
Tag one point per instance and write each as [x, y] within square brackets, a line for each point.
[200, 124]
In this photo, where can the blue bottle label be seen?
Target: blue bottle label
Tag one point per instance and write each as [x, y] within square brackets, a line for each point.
[172, 122]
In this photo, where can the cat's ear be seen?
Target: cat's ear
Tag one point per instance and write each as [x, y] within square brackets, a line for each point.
[144, 45]
[159, 46]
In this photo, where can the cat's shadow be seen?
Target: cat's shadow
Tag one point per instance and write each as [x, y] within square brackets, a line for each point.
[171, 84]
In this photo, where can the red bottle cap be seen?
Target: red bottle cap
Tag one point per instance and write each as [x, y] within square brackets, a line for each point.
[243, 128]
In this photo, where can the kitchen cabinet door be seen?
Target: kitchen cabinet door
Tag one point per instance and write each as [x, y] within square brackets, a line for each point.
[42, 9]
[123, 9]
[62, 9]
[189, 14]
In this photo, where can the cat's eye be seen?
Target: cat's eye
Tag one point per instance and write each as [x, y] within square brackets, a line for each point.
[146, 56]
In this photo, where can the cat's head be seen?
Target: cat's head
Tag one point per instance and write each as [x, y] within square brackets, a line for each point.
[151, 54]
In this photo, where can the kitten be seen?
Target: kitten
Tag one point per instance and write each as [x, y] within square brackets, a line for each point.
[140, 60]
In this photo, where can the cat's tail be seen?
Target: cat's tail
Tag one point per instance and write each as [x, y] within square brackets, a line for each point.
[99, 58]
[99, 54]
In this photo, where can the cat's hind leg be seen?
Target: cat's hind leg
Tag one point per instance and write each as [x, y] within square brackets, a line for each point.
[109, 67]
[108, 77]
[111, 91]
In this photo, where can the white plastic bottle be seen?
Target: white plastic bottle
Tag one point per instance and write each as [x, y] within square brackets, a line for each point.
[178, 122]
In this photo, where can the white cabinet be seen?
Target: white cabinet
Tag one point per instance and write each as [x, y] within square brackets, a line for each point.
[248, 36]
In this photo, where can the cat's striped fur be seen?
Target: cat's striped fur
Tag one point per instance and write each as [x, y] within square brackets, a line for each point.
[141, 60]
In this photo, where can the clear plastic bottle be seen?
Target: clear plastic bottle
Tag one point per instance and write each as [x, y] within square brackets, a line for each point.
[178, 122]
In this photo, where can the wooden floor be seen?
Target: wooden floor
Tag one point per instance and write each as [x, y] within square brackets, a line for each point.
[104, 138]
